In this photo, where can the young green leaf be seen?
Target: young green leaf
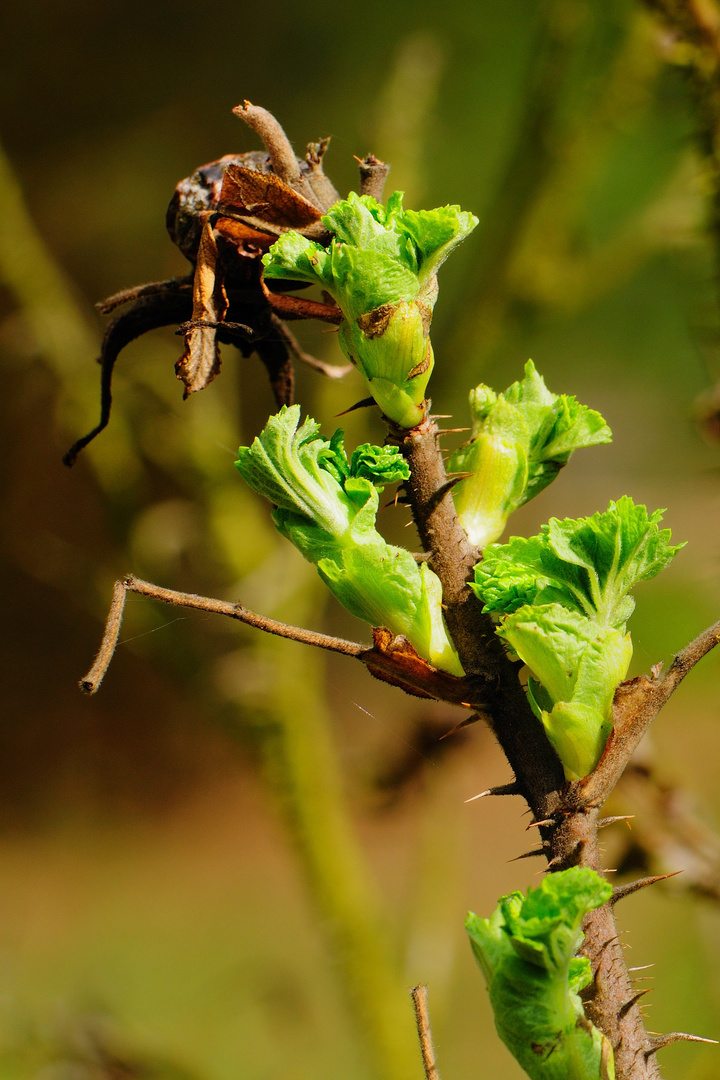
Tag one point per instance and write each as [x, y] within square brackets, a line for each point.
[327, 506]
[563, 601]
[381, 269]
[521, 439]
[587, 564]
[527, 952]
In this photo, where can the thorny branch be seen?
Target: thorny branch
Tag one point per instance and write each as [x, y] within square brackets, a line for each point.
[566, 814]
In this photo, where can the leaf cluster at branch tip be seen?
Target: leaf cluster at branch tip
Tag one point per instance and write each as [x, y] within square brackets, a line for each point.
[381, 269]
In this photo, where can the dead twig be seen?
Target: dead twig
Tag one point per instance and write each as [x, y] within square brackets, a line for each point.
[90, 683]
[390, 659]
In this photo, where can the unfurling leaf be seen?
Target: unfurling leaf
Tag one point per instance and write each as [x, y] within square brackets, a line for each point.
[563, 601]
[381, 269]
[527, 951]
[327, 505]
[521, 439]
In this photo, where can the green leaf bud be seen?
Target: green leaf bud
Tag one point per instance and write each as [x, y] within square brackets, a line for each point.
[381, 269]
[527, 953]
[520, 441]
[563, 601]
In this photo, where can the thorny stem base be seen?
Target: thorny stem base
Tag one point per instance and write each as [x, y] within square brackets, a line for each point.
[566, 814]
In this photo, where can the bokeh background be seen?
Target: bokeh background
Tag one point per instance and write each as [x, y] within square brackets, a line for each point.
[204, 867]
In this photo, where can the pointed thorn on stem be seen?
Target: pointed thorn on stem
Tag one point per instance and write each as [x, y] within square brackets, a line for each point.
[453, 731]
[604, 822]
[625, 1009]
[450, 431]
[540, 824]
[540, 850]
[661, 1041]
[621, 891]
[438, 496]
[502, 789]
[364, 404]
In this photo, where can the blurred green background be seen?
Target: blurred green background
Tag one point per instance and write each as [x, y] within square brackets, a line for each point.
[186, 855]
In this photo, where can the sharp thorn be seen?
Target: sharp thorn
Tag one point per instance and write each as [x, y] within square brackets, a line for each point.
[530, 854]
[366, 403]
[502, 789]
[641, 967]
[441, 416]
[540, 824]
[604, 822]
[553, 864]
[438, 495]
[621, 891]
[674, 1036]
[625, 1009]
[450, 431]
[463, 723]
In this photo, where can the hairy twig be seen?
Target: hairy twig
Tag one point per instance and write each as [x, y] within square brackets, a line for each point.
[422, 1018]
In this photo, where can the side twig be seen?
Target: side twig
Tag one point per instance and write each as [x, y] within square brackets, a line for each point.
[419, 996]
[389, 659]
[90, 683]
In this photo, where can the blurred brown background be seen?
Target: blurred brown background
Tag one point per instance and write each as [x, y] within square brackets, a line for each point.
[157, 915]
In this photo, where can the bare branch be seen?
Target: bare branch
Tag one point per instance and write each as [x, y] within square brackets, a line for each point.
[276, 141]
[419, 996]
[331, 371]
[94, 677]
[373, 174]
[390, 659]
